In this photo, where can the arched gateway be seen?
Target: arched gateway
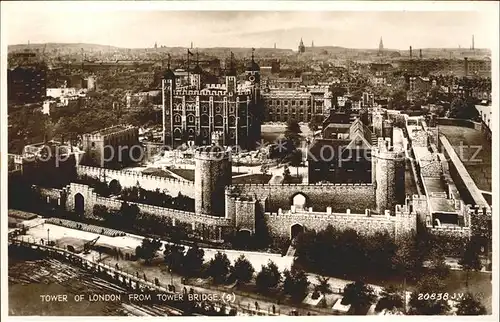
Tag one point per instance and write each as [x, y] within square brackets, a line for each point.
[79, 204]
[295, 230]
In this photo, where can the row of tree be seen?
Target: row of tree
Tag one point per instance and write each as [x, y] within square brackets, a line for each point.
[157, 198]
[295, 284]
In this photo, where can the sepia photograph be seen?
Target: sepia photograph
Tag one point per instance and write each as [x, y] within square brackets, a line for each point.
[252, 159]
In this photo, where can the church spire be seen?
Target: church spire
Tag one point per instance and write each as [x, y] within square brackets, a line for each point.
[302, 48]
[381, 45]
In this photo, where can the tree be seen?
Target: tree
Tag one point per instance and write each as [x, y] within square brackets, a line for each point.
[390, 299]
[193, 261]
[292, 132]
[313, 125]
[295, 284]
[219, 267]
[127, 215]
[286, 174]
[115, 187]
[406, 260]
[268, 277]
[359, 296]
[470, 260]
[242, 270]
[324, 285]
[398, 100]
[296, 159]
[100, 211]
[174, 257]
[148, 249]
[426, 306]
[463, 109]
[438, 265]
[470, 306]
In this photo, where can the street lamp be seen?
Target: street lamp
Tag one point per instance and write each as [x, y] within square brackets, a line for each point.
[48, 230]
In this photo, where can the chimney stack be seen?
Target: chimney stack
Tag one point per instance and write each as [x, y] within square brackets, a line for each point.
[411, 52]
[420, 54]
[466, 66]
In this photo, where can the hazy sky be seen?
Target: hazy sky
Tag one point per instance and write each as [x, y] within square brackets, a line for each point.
[52, 22]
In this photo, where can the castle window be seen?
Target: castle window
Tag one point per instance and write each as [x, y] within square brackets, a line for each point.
[177, 119]
[190, 119]
[218, 121]
[279, 103]
[217, 108]
[204, 119]
[301, 103]
[232, 121]
[293, 103]
[204, 108]
[93, 144]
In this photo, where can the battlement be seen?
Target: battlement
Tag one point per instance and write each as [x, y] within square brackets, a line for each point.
[91, 199]
[146, 181]
[99, 172]
[219, 91]
[330, 216]
[216, 86]
[180, 215]
[477, 209]
[212, 152]
[451, 231]
[16, 158]
[267, 185]
[109, 131]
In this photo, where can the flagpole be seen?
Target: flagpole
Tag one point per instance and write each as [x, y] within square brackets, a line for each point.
[189, 76]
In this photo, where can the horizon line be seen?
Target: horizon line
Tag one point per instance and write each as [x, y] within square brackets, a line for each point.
[229, 47]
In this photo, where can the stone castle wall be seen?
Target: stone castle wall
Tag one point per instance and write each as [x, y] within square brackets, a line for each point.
[130, 179]
[390, 179]
[459, 122]
[280, 224]
[356, 197]
[245, 211]
[91, 199]
[212, 175]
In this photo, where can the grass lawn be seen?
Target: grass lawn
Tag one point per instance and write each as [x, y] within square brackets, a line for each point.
[187, 174]
[271, 132]
[253, 178]
[157, 172]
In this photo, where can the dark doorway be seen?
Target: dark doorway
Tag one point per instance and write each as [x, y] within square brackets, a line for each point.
[296, 230]
[79, 204]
